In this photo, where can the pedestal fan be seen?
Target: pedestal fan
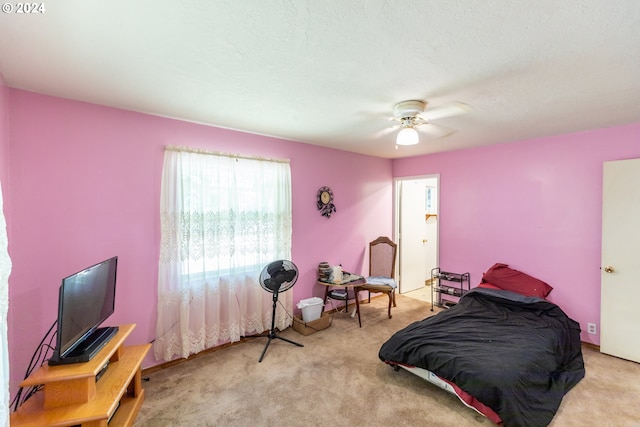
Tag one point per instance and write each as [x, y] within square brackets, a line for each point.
[277, 277]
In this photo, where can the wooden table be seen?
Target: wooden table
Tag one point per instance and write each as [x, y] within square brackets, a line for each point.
[351, 281]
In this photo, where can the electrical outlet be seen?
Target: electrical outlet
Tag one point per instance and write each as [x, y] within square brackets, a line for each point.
[591, 328]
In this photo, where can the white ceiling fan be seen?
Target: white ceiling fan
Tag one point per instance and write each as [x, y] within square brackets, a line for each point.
[413, 114]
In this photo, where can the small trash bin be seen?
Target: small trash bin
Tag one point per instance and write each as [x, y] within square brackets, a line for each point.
[311, 308]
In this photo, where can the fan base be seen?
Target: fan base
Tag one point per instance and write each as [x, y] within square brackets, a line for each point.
[408, 108]
[272, 335]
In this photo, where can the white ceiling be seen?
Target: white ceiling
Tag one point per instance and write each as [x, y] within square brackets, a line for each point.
[329, 72]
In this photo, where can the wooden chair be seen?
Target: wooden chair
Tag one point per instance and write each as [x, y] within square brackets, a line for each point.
[382, 266]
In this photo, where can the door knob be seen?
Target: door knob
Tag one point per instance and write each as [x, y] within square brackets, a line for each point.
[424, 240]
[608, 269]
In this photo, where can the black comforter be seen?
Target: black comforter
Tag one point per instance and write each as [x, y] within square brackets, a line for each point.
[517, 355]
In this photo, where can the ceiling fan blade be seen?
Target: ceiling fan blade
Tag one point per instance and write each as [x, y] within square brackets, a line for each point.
[445, 110]
[435, 131]
[386, 131]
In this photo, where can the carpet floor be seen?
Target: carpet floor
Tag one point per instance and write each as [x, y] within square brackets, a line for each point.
[337, 379]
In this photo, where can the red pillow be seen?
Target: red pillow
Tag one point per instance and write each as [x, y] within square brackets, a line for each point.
[512, 280]
[487, 285]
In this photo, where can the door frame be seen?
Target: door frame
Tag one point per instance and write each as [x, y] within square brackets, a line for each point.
[397, 197]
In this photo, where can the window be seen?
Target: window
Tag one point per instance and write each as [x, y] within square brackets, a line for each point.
[230, 214]
[223, 218]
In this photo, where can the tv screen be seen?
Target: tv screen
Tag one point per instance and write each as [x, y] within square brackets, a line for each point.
[86, 299]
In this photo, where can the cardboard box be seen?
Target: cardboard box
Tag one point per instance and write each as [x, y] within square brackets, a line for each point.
[308, 328]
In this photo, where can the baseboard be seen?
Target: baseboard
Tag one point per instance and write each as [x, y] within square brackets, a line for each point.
[591, 345]
[204, 352]
[171, 363]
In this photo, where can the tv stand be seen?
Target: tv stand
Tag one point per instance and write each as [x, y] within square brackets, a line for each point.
[72, 395]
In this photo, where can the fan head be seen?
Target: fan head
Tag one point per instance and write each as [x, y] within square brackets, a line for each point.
[278, 276]
[414, 114]
[417, 110]
[406, 109]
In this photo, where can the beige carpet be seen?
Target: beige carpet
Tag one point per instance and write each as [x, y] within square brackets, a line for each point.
[336, 379]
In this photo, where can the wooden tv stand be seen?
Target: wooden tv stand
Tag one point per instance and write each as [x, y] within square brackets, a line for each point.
[72, 396]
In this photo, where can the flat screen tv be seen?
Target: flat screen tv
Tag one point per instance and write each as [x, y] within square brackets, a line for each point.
[85, 300]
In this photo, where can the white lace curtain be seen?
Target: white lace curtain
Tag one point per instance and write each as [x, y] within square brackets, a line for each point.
[223, 218]
[5, 271]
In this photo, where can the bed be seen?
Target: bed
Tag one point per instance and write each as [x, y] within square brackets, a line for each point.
[510, 354]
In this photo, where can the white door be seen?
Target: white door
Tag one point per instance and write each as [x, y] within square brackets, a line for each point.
[417, 242]
[620, 267]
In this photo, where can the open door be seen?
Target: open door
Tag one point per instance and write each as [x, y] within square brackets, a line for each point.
[620, 269]
[417, 230]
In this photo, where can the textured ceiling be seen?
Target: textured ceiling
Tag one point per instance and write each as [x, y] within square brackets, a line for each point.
[329, 72]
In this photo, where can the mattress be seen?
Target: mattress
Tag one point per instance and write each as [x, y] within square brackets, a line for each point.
[516, 355]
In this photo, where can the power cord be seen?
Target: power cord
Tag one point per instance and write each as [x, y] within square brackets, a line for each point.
[333, 307]
[290, 315]
[39, 358]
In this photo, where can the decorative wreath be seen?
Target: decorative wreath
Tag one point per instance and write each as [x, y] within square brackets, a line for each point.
[325, 202]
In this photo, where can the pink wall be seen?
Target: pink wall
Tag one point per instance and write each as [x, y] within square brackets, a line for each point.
[535, 205]
[85, 185]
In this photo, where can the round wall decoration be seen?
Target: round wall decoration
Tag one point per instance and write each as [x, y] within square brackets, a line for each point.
[325, 202]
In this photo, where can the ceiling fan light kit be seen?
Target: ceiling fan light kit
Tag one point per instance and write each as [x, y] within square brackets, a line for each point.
[412, 114]
[407, 136]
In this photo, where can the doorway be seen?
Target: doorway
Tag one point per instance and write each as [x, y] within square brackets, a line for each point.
[416, 230]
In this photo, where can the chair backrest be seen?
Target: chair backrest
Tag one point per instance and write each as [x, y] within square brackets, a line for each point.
[382, 257]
